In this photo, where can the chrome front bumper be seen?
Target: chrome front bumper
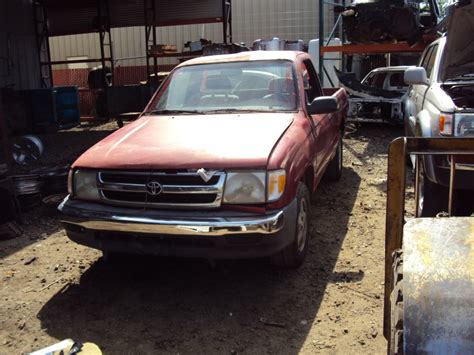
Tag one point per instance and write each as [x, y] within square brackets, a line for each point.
[107, 218]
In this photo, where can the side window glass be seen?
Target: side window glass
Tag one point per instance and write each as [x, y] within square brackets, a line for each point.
[369, 80]
[396, 79]
[310, 82]
[426, 58]
[430, 65]
[379, 80]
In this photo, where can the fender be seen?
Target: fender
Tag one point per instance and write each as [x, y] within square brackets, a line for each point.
[423, 129]
[410, 117]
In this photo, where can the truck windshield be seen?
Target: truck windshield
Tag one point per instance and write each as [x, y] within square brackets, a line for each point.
[251, 86]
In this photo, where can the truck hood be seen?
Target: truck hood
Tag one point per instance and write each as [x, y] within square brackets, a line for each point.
[190, 142]
[459, 51]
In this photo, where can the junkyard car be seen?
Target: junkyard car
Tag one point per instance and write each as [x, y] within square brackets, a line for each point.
[378, 97]
[214, 168]
[440, 103]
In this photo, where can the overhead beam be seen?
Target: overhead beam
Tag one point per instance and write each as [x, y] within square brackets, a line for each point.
[375, 48]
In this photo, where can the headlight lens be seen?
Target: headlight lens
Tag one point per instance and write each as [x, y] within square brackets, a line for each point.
[275, 184]
[464, 125]
[85, 185]
[245, 187]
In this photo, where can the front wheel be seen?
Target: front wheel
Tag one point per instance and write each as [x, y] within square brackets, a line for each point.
[294, 254]
[334, 169]
[432, 199]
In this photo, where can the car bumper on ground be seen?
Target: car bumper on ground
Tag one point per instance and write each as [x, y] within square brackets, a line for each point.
[203, 234]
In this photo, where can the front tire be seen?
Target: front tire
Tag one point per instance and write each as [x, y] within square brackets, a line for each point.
[334, 169]
[294, 254]
[433, 198]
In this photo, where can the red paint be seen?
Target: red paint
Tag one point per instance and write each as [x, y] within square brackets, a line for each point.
[297, 142]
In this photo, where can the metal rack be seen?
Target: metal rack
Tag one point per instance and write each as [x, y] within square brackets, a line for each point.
[150, 34]
[352, 49]
[102, 26]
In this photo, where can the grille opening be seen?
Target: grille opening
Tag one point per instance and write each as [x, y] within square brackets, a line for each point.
[162, 179]
[162, 198]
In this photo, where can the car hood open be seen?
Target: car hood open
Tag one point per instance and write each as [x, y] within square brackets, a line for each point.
[459, 52]
[190, 142]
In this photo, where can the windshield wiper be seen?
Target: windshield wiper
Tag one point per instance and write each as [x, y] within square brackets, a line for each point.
[171, 112]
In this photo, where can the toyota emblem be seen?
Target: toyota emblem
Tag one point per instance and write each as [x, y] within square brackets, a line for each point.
[154, 188]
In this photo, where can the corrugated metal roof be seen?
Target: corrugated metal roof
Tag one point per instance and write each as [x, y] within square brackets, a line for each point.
[75, 17]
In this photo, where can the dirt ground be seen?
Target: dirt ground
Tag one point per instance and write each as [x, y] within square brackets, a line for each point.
[52, 289]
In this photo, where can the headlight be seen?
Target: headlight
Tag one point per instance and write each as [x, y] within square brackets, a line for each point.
[464, 125]
[275, 185]
[245, 187]
[85, 185]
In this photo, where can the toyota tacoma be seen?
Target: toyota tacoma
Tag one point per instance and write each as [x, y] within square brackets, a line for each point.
[221, 164]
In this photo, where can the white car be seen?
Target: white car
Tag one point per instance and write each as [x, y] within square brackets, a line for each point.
[440, 103]
[378, 97]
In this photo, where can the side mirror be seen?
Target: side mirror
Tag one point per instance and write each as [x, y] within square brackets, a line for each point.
[323, 104]
[415, 76]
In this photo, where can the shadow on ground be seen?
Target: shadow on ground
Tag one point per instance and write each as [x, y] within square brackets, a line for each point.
[150, 305]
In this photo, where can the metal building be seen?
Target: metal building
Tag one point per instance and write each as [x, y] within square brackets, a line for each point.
[251, 20]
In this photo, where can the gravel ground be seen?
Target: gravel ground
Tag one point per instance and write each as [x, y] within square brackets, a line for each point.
[52, 288]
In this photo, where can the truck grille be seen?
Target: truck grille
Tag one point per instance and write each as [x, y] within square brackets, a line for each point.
[176, 189]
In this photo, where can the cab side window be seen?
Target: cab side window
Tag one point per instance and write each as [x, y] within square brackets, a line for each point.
[428, 60]
[430, 65]
[379, 80]
[311, 85]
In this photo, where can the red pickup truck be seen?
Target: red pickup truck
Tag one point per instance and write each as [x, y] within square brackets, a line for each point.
[221, 164]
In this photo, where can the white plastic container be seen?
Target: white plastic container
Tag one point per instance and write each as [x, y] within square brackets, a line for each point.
[331, 60]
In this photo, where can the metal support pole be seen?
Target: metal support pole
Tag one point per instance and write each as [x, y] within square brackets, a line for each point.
[111, 51]
[334, 29]
[155, 59]
[230, 21]
[42, 41]
[101, 39]
[224, 21]
[147, 36]
[321, 39]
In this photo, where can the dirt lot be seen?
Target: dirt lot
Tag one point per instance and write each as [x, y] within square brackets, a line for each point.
[52, 289]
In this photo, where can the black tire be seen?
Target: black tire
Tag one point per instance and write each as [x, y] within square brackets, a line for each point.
[433, 198]
[294, 254]
[334, 169]
[396, 307]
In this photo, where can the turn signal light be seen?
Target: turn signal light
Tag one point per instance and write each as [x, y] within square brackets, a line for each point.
[446, 124]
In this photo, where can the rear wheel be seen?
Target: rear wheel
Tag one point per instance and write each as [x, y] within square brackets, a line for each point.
[334, 169]
[294, 254]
